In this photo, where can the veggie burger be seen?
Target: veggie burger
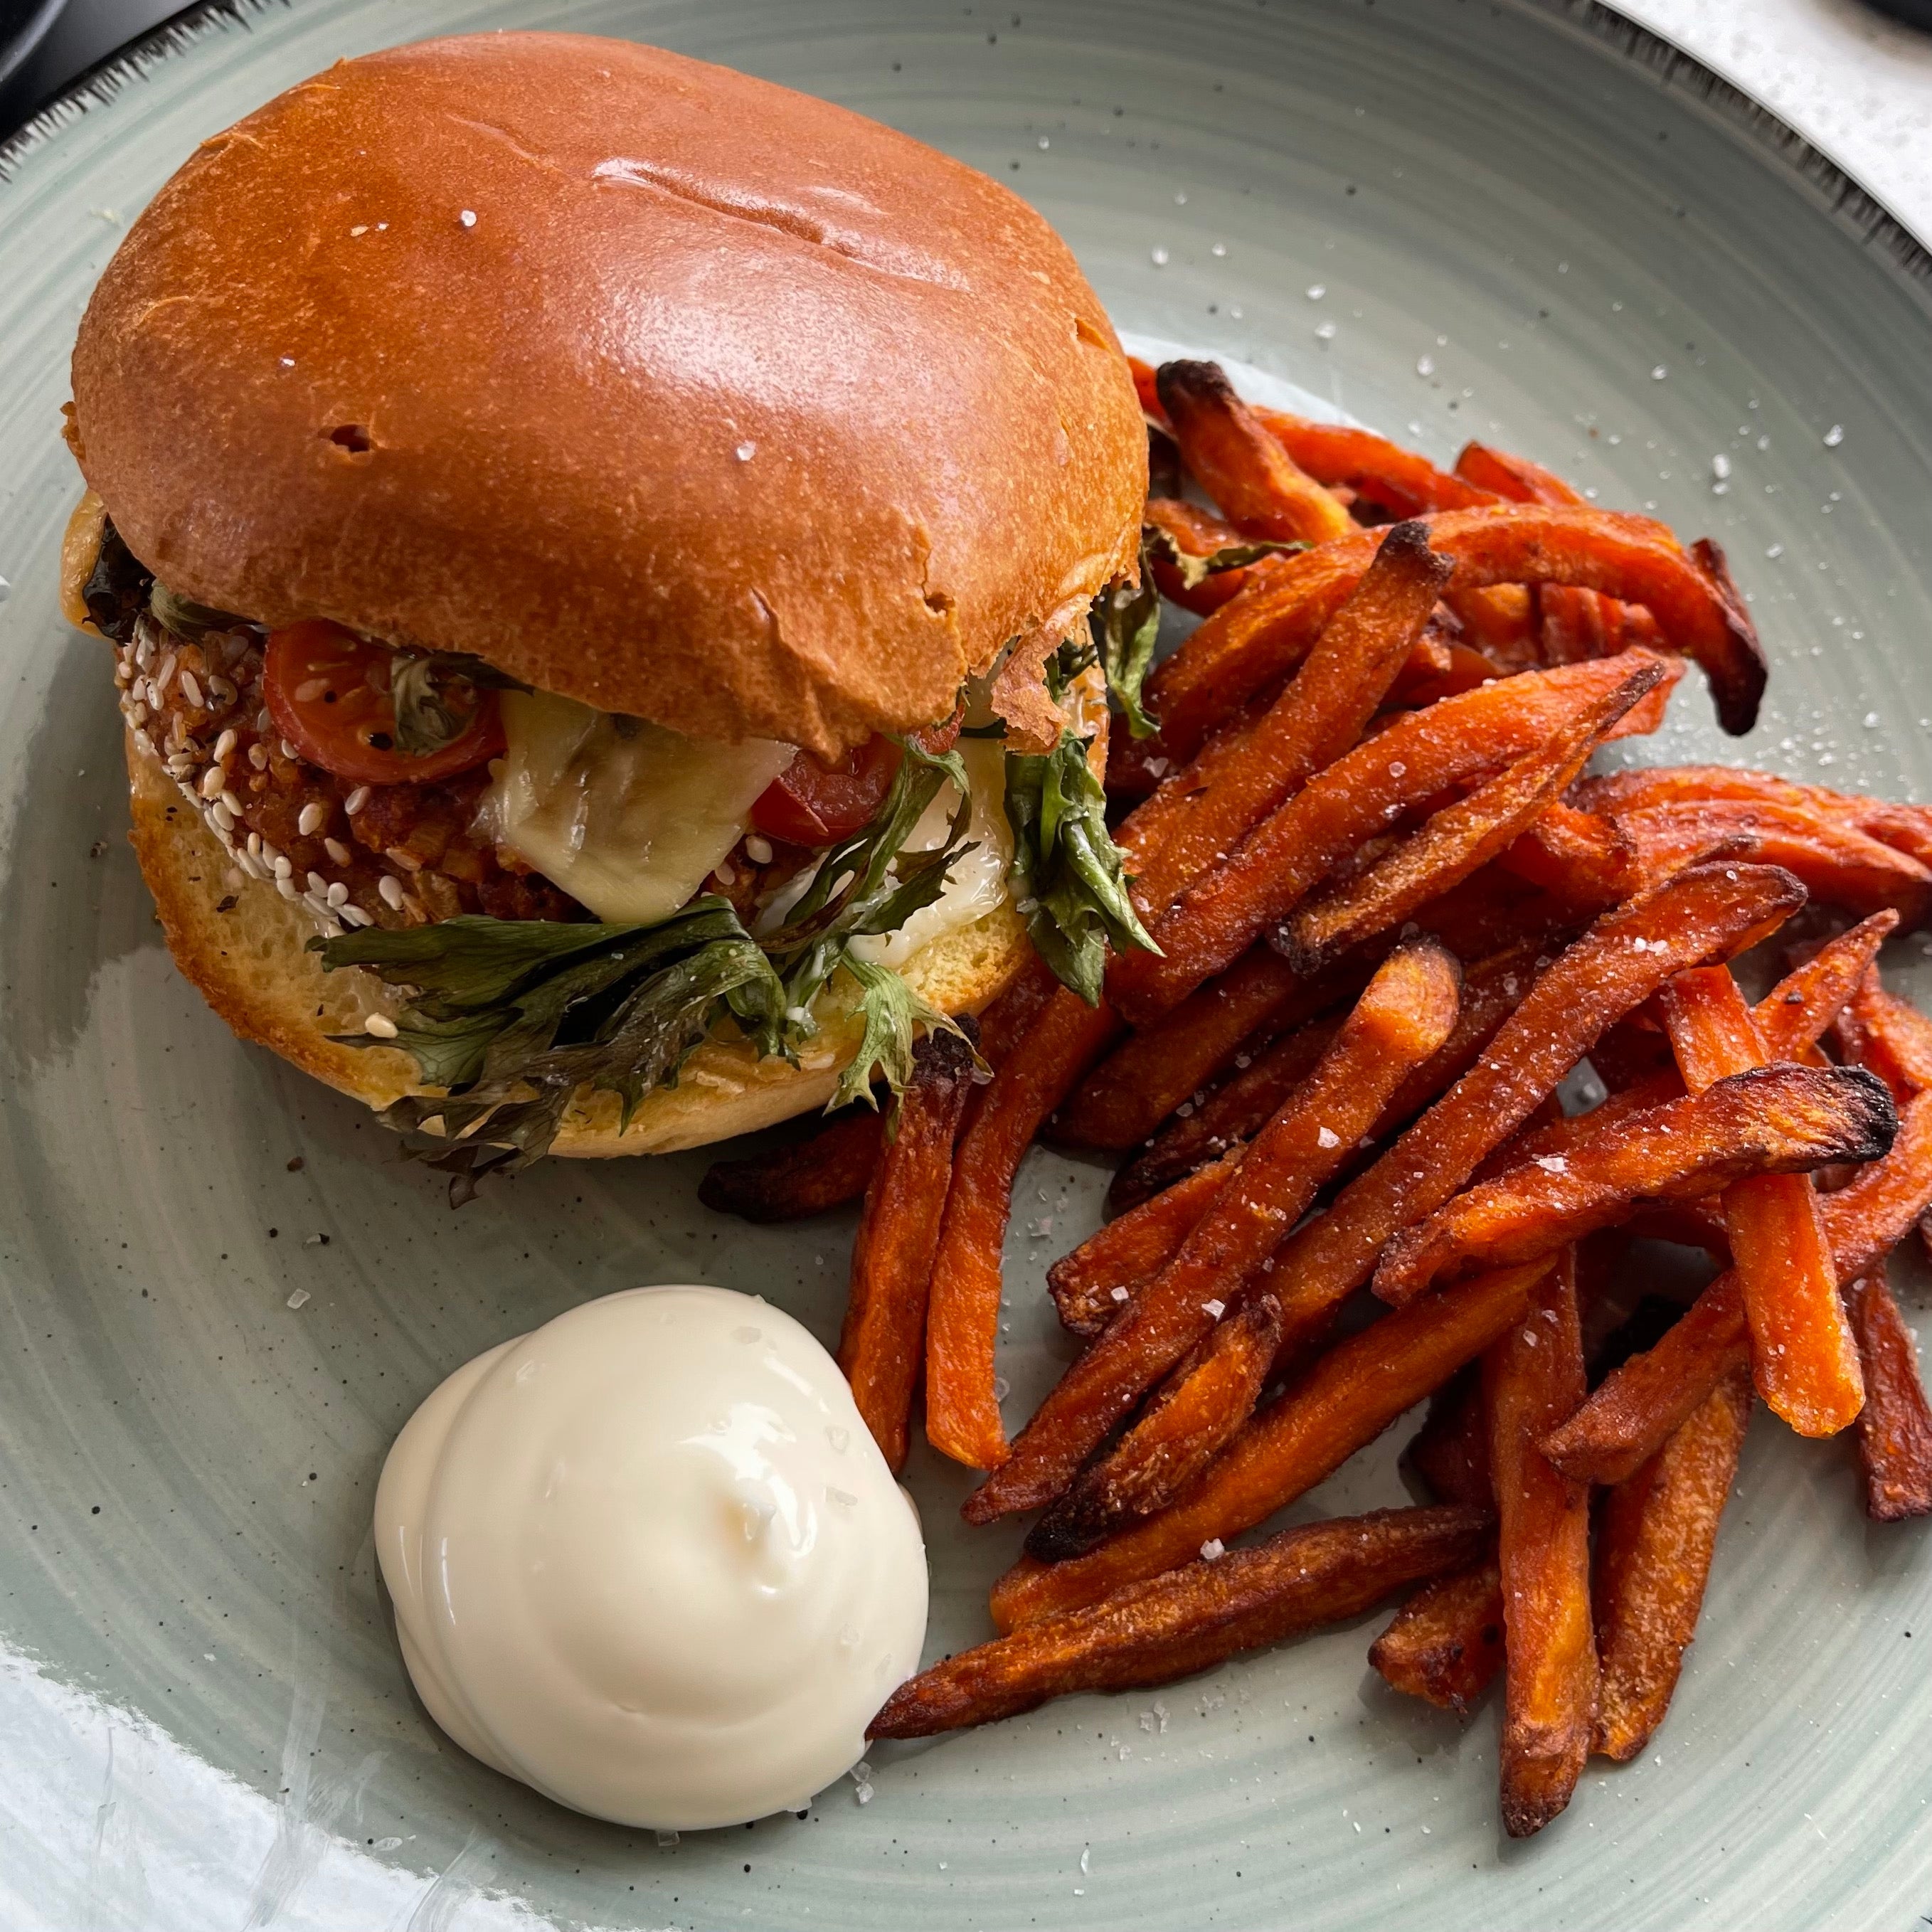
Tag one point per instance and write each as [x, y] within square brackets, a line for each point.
[614, 567]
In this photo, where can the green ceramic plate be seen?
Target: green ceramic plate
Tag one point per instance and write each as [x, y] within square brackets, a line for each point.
[220, 1295]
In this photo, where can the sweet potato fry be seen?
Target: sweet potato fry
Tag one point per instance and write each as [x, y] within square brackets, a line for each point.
[1796, 1013]
[882, 1340]
[809, 1176]
[1456, 841]
[1567, 625]
[1403, 1017]
[1865, 1220]
[1450, 1452]
[1648, 714]
[1790, 1019]
[1782, 1121]
[1233, 458]
[1840, 866]
[1879, 1030]
[1907, 828]
[1346, 1398]
[1202, 810]
[1196, 531]
[1459, 667]
[1186, 1423]
[1231, 1114]
[1804, 1360]
[1631, 1413]
[1574, 626]
[1146, 386]
[1248, 644]
[1491, 988]
[1495, 910]
[1157, 1070]
[1172, 1626]
[1445, 1644]
[962, 1414]
[1396, 481]
[1636, 1408]
[1089, 1284]
[1260, 998]
[1287, 853]
[1567, 848]
[1500, 622]
[1008, 1020]
[1513, 479]
[1894, 1430]
[1653, 1546]
[1706, 911]
[1532, 1376]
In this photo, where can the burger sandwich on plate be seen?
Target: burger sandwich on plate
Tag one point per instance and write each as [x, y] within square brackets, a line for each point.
[611, 566]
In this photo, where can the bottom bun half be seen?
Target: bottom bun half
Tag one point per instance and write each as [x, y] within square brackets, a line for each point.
[245, 947]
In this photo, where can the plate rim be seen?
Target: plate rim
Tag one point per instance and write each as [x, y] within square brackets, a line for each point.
[1913, 268]
[1846, 199]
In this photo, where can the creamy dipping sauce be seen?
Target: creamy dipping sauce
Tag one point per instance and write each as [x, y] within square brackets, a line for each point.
[649, 1560]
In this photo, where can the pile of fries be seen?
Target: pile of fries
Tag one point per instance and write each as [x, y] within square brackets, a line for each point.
[1394, 915]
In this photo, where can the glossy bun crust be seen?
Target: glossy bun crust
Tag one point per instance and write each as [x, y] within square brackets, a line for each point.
[654, 385]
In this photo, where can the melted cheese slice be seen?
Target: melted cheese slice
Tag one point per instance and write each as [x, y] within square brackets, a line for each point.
[627, 817]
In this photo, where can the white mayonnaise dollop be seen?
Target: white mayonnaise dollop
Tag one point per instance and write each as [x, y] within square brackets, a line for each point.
[649, 1560]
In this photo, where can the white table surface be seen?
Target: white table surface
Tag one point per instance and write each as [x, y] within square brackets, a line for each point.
[1857, 84]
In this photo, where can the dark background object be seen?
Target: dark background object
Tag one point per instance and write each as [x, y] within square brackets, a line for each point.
[1914, 13]
[47, 45]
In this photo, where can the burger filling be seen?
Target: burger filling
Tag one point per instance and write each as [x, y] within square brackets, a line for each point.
[569, 897]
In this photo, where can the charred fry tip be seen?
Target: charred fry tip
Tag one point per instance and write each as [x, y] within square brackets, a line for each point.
[1179, 383]
[1782, 1119]
[1408, 541]
[1871, 1114]
[1739, 678]
[1525, 1813]
[948, 1052]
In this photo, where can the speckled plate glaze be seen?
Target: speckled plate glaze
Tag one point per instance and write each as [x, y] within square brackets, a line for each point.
[220, 1295]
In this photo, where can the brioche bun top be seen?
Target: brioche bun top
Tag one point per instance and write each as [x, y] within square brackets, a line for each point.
[654, 385]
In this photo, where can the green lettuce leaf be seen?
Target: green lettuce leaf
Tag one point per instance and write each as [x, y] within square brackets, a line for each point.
[1125, 623]
[1125, 620]
[1067, 874]
[511, 1017]
[187, 619]
[1195, 570]
[868, 884]
[892, 1016]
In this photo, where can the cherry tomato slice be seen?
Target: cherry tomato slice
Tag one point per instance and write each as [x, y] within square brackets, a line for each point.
[328, 691]
[812, 803]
